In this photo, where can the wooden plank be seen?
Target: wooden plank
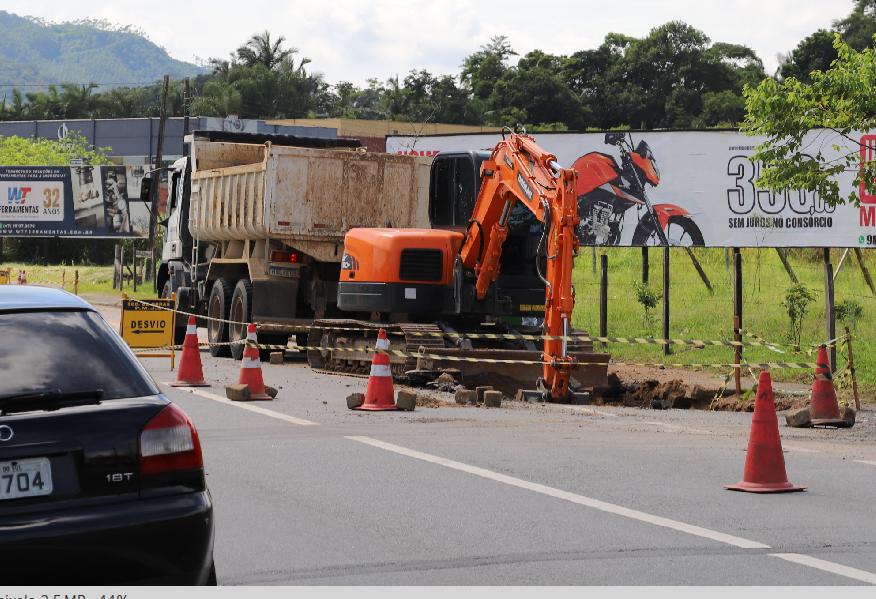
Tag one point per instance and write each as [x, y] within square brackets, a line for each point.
[700, 270]
[860, 256]
[783, 256]
[842, 261]
[829, 312]
[667, 350]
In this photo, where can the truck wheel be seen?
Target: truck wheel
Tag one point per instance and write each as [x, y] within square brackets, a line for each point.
[241, 311]
[217, 308]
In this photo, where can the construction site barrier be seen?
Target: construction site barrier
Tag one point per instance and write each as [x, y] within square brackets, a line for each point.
[696, 343]
[439, 357]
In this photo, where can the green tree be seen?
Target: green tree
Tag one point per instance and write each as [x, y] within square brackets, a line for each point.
[483, 69]
[842, 99]
[859, 27]
[21, 151]
[260, 49]
[814, 53]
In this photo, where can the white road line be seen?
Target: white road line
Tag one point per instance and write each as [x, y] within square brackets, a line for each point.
[566, 495]
[868, 462]
[249, 407]
[820, 564]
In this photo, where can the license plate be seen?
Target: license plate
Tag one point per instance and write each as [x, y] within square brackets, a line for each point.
[30, 477]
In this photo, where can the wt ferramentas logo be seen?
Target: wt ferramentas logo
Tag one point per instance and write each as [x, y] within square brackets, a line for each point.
[17, 195]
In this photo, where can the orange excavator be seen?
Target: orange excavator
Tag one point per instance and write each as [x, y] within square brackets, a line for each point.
[430, 274]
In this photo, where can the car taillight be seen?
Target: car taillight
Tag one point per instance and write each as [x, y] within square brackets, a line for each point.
[169, 443]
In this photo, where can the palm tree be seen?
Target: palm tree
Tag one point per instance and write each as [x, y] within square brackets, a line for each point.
[260, 49]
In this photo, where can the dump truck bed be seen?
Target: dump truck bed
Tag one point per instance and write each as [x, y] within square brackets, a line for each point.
[305, 197]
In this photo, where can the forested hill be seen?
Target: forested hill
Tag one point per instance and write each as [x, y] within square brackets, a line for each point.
[33, 52]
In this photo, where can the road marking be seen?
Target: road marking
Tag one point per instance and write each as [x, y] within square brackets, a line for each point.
[566, 495]
[868, 462]
[833, 568]
[249, 407]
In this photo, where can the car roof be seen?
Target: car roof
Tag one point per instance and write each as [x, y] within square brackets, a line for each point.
[29, 297]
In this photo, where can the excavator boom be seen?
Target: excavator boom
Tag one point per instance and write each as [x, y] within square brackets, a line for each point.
[520, 171]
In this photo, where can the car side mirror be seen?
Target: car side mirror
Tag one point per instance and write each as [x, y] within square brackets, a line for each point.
[146, 189]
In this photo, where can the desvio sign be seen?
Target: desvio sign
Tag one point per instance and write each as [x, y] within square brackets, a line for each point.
[703, 188]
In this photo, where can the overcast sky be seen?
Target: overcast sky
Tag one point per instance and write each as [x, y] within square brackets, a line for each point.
[354, 40]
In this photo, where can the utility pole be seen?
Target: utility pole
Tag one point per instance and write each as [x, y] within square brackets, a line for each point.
[156, 177]
[187, 94]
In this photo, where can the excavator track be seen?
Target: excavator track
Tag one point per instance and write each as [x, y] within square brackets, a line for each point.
[357, 337]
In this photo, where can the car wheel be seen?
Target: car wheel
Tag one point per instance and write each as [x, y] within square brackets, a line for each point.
[241, 311]
[217, 311]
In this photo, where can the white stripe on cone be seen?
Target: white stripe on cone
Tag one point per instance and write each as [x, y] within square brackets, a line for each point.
[380, 370]
[383, 344]
[250, 363]
[191, 329]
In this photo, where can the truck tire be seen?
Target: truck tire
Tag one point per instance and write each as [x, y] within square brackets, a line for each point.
[218, 308]
[241, 311]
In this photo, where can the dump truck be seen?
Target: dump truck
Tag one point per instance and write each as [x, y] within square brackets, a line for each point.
[255, 233]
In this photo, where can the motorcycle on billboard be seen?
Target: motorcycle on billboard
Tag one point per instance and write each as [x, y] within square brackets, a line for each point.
[607, 189]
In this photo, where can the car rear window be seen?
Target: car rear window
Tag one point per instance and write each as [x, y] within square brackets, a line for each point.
[68, 350]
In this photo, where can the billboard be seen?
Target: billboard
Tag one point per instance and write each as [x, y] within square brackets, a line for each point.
[700, 186]
[78, 201]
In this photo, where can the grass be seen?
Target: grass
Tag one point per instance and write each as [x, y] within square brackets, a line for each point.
[92, 279]
[697, 314]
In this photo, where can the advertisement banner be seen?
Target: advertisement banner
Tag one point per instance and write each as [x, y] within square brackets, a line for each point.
[79, 201]
[700, 186]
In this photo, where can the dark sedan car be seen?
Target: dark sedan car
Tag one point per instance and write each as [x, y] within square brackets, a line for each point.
[101, 476]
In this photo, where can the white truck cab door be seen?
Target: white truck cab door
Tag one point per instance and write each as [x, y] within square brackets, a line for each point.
[173, 247]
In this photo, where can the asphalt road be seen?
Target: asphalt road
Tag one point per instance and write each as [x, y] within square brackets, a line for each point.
[308, 492]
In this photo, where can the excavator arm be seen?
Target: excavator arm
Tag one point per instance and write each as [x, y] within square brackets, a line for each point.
[519, 170]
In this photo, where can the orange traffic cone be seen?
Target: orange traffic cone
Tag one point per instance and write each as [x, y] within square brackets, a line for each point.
[190, 372]
[251, 367]
[823, 407]
[379, 394]
[764, 463]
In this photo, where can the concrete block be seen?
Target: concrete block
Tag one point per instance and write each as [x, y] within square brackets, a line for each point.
[272, 391]
[466, 396]
[237, 392]
[405, 400]
[354, 400]
[799, 418]
[493, 399]
[848, 413]
[276, 357]
[481, 390]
